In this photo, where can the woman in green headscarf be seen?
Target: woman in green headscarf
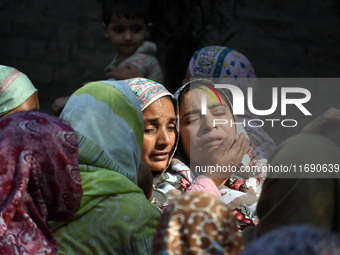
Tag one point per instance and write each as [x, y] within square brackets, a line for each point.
[17, 93]
[114, 217]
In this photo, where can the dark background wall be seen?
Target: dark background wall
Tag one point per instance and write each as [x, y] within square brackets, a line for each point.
[60, 44]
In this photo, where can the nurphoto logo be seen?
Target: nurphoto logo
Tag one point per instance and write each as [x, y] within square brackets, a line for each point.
[238, 100]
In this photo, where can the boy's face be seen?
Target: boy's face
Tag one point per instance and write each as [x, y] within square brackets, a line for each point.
[126, 35]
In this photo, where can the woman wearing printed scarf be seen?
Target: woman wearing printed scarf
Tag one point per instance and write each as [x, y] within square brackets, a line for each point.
[226, 65]
[40, 181]
[17, 93]
[114, 215]
[160, 142]
[197, 223]
[204, 145]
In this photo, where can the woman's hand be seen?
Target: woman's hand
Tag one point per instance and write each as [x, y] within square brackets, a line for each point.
[227, 156]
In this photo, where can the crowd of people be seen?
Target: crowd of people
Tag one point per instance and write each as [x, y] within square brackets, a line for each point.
[126, 166]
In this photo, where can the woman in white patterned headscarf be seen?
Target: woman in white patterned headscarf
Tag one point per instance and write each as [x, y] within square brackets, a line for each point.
[160, 138]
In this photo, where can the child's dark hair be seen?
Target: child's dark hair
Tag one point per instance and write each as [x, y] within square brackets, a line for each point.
[130, 9]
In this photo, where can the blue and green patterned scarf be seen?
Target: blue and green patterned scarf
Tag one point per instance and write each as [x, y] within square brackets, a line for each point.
[114, 216]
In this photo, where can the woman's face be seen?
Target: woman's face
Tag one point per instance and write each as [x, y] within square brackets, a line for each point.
[199, 137]
[159, 134]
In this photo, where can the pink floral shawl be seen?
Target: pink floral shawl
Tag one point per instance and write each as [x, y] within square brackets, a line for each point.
[39, 178]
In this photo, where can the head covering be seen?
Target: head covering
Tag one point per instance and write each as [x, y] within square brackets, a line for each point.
[241, 194]
[114, 217]
[105, 114]
[304, 199]
[295, 240]
[15, 88]
[248, 157]
[227, 65]
[197, 223]
[40, 180]
[147, 91]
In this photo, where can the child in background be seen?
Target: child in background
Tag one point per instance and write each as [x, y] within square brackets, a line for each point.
[126, 25]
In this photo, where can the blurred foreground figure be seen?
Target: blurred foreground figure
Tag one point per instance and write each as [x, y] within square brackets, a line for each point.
[39, 178]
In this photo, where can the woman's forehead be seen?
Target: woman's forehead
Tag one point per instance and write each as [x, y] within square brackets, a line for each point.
[194, 97]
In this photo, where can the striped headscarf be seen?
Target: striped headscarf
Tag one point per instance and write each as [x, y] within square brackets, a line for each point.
[147, 92]
[114, 216]
[105, 114]
[241, 194]
[15, 88]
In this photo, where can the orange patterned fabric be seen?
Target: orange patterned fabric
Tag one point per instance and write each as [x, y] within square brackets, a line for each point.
[197, 223]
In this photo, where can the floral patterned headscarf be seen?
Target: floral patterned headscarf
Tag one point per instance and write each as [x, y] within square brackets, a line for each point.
[39, 178]
[197, 223]
[227, 65]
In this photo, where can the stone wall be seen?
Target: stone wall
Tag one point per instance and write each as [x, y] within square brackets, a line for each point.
[58, 44]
